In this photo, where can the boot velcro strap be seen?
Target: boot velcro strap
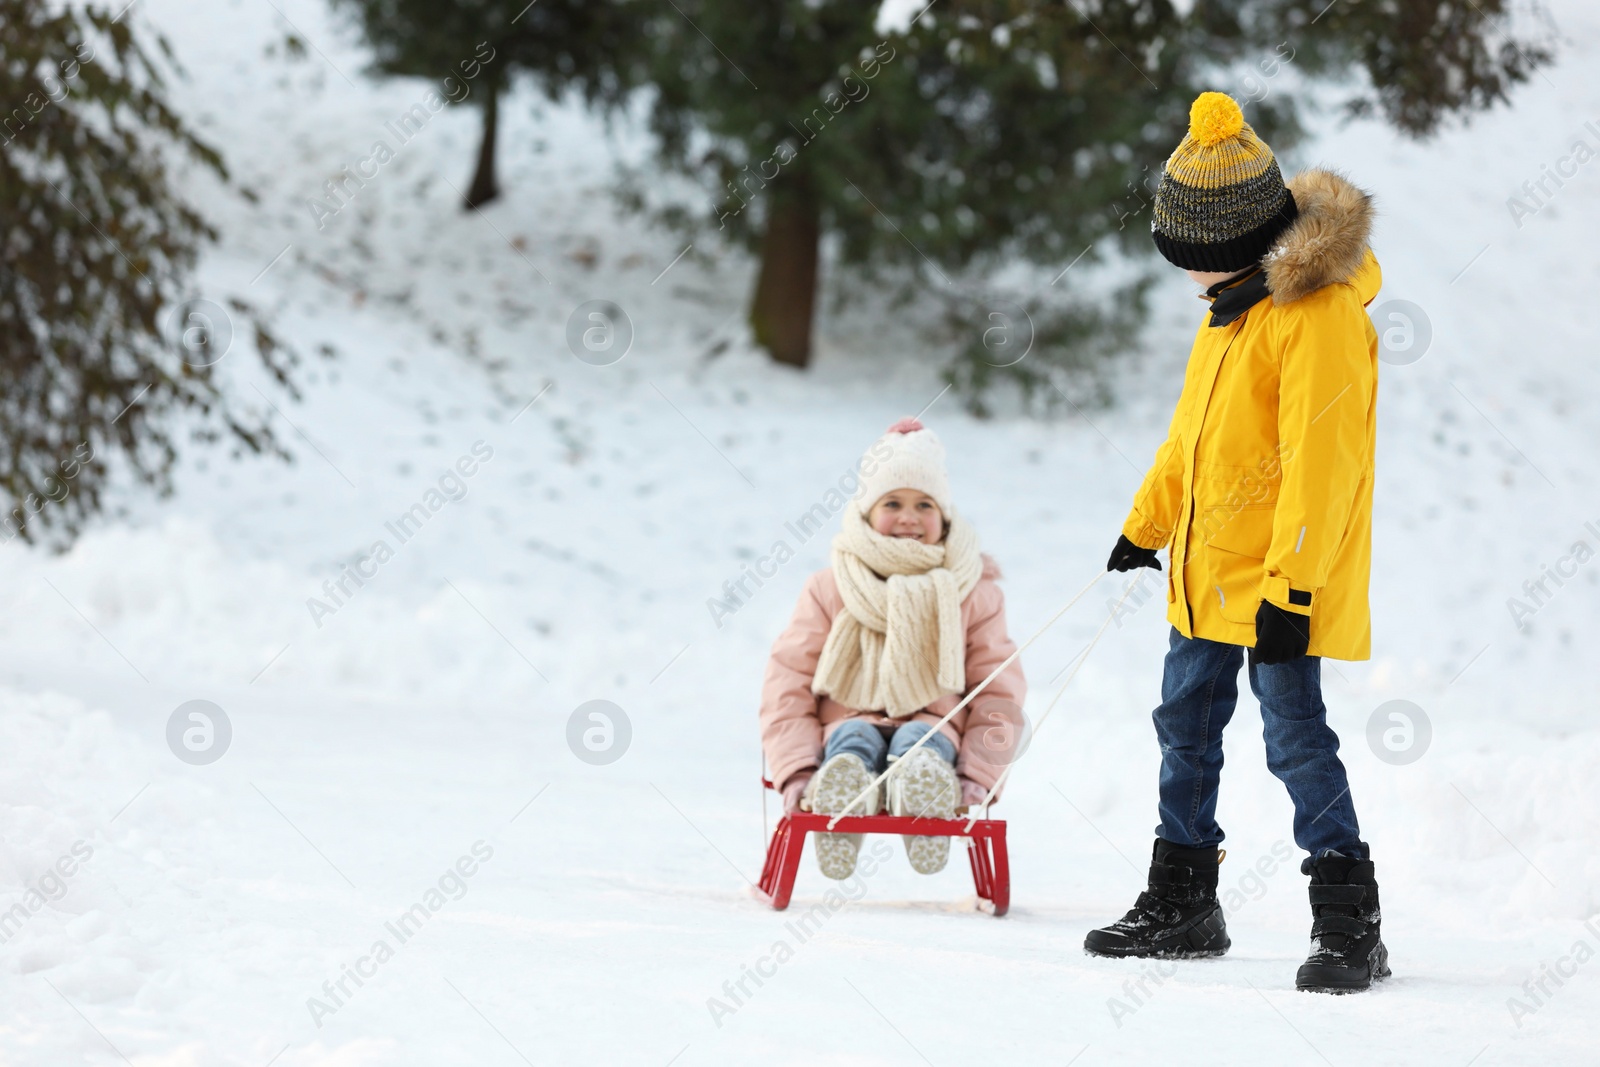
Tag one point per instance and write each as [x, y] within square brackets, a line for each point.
[1152, 905]
[1338, 924]
[1161, 874]
[1338, 894]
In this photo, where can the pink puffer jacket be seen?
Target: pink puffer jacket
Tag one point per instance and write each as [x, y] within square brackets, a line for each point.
[795, 721]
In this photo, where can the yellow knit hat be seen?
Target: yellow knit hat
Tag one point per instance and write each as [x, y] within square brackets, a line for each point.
[1222, 201]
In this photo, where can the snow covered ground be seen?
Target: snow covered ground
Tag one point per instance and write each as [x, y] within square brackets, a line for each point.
[410, 744]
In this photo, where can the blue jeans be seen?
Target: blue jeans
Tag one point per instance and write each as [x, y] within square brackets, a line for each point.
[1199, 688]
[866, 740]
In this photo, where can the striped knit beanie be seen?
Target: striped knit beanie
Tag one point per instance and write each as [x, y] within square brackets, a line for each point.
[1222, 201]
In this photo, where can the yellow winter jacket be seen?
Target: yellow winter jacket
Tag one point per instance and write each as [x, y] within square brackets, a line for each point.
[1263, 488]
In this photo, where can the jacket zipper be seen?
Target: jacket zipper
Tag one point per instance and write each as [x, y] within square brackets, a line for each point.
[1238, 328]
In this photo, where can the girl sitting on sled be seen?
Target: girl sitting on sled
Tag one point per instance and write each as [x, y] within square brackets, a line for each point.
[882, 644]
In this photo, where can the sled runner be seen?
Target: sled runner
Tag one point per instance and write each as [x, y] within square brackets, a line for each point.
[985, 839]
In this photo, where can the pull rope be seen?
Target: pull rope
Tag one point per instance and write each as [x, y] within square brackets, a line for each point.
[1082, 658]
[925, 738]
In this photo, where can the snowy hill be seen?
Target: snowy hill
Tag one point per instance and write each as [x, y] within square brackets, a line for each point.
[416, 725]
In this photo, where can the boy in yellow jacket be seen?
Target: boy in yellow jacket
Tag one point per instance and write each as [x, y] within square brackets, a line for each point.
[1262, 495]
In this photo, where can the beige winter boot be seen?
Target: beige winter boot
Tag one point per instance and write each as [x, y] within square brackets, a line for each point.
[839, 782]
[924, 786]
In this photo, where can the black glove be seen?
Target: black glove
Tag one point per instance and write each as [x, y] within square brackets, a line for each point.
[1280, 635]
[1127, 556]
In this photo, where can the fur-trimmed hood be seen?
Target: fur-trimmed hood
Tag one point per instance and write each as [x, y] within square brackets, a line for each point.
[1327, 243]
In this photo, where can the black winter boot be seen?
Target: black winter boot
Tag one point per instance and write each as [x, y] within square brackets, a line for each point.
[1347, 953]
[1178, 916]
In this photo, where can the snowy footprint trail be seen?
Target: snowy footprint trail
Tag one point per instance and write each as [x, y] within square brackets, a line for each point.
[408, 854]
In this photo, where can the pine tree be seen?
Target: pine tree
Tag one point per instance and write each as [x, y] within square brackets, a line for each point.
[993, 129]
[103, 344]
[580, 45]
[1425, 61]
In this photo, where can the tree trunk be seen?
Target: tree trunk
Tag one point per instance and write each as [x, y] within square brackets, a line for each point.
[786, 288]
[484, 186]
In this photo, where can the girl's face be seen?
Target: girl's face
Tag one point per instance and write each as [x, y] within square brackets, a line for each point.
[908, 513]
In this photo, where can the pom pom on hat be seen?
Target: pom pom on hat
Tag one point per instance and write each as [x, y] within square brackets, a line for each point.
[907, 456]
[1213, 118]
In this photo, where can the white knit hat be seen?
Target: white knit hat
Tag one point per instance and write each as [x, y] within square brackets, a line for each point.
[908, 456]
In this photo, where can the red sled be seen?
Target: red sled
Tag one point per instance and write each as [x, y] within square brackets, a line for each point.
[985, 839]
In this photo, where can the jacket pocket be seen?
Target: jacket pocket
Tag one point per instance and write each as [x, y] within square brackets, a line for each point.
[1236, 542]
[1246, 531]
[1238, 486]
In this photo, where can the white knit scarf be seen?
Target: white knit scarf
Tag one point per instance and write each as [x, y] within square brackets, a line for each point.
[898, 645]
